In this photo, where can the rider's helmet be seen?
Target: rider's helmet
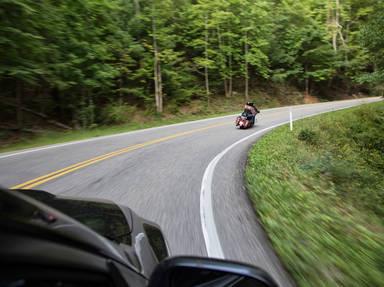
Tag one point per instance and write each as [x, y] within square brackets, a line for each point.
[250, 104]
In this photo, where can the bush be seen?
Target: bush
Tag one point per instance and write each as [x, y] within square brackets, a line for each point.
[116, 113]
[308, 136]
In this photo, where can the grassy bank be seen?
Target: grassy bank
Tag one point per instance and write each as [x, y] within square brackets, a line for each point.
[319, 192]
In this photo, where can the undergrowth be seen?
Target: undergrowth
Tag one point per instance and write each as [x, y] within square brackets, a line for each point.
[319, 192]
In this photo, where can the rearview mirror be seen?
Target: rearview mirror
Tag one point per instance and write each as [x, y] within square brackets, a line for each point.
[207, 272]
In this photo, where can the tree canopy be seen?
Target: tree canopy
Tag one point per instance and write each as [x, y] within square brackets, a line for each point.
[74, 60]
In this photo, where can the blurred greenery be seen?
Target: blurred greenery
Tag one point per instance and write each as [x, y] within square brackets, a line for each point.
[322, 204]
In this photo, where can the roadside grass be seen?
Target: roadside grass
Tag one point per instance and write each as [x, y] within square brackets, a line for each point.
[319, 192]
[53, 136]
[195, 110]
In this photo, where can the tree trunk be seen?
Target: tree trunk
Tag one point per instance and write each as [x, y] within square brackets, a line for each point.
[155, 77]
[91, 109]
[246, 68]
[230, 69]
[230, 76]
[160, 83]
[223, 64]
[336, 27]
[84, 115]
[337, 13]
[35, 113]
[347, 57]
[206, 59]
[58, 107]
[306, 80]
[307, 86]
[157, 69]
[331, 22]
[137, 6]
[334, 41]
[19, 106]
[120, 90]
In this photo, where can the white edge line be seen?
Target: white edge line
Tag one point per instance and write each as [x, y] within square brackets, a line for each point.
[208, 225]
[211, 237]
[30, 150]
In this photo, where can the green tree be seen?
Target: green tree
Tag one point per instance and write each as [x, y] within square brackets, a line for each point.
[372, 40]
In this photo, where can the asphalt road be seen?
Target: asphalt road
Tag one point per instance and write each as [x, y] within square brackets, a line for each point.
[159, 174]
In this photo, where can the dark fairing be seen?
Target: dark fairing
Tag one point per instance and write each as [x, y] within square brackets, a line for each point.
[42, 246]
[140, 242]
[104, 217]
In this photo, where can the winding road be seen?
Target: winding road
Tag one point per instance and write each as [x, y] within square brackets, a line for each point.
[186, 177]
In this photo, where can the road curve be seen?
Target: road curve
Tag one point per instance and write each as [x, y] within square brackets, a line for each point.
[159, 173]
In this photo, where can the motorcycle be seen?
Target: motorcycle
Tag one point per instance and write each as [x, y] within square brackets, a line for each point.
[242, 121]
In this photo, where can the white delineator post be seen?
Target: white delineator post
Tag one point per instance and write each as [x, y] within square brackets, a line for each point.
[290, 119]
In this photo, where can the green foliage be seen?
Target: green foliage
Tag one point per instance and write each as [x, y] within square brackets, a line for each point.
[117, 113]
[371, 36]
[323, 205]
[101, 51]
[301, 48]
[368, 135]
[308, 136]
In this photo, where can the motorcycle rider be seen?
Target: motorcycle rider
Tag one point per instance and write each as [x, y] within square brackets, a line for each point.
[250, 111]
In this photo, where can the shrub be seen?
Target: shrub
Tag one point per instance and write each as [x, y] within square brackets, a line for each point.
[116, 113]
[308, 136]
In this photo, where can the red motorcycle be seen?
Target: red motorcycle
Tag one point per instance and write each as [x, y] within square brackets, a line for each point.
[243, 123]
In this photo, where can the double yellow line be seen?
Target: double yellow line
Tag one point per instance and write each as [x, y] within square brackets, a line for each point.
[50, 176]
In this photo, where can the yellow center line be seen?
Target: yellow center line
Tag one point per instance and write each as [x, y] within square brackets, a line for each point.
[58, 173]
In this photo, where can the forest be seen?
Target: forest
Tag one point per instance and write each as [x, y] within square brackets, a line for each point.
[83, 63]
